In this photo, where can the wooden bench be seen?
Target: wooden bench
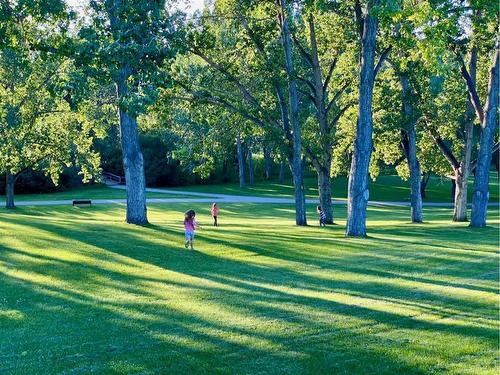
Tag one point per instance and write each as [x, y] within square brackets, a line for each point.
[79, 202]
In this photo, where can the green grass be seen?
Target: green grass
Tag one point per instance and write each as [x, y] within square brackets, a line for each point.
[385, 188]
[86, 192]
[81, 292]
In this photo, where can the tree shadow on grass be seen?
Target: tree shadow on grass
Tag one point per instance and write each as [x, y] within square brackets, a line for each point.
[352, 333]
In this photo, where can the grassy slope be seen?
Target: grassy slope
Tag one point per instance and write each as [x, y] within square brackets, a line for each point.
[81, 291]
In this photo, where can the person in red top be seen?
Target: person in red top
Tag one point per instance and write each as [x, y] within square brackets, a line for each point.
[215, 214]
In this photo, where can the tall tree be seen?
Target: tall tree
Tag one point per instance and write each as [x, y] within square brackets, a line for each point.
[489, 124]
[358, 192]
[128, 41]
[321, 56]
[251, 75]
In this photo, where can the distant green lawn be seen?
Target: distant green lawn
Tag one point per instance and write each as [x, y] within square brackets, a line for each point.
[86, 192]
[385, 188]
[81, 292]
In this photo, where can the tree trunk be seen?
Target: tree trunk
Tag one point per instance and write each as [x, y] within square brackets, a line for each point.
[423, 184]
[9, 190]
[268, 163]
[488, 129]
[281, 175]
[460, 197]
[358, 193]
[415, 175]
[325, 195]
[295, 160]
[241, 162]
[463, 172]
[413, 163]
[133, 162]
[251, 170]
[298, 187]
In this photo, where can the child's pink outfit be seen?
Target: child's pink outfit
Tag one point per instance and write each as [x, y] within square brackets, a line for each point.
[189, 228]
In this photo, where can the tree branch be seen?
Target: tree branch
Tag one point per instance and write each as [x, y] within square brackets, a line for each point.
[329, 75]
[471, 87]
[447, 153]
[335, 97]
[381, 60]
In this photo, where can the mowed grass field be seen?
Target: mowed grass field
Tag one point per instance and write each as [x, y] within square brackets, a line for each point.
[385, 188]
[83, 292]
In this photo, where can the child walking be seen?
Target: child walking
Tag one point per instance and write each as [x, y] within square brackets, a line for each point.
[189, 228]
[322, 217]
[215, 214]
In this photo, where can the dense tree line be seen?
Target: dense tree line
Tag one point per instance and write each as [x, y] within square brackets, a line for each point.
[335, 87]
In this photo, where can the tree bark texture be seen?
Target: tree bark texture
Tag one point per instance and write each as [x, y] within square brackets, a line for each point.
[488, 128]
[358, 193]
[411, 157]
[133, 162]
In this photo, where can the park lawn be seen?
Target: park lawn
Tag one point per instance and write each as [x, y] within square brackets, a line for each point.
[86, 192]
[385, 188]
[83, 292]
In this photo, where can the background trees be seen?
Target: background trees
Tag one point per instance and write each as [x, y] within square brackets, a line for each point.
[43, 125]
[229, 91]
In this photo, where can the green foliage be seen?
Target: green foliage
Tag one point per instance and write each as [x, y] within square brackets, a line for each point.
[41, 124]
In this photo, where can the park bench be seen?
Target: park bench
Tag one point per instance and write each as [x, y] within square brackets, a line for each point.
[80, 202]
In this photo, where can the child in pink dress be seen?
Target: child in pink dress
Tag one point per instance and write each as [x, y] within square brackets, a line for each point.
[215, 214]
[189, 228]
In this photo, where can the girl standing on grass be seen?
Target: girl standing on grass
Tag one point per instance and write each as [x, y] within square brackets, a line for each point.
[322, 217]
[189, 228]
[215, 214]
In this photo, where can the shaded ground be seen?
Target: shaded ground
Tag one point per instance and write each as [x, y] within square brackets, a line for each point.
[81, 291]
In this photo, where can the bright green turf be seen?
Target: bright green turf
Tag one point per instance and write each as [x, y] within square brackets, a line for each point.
[385, 188]
[87, 192]
[81, 292]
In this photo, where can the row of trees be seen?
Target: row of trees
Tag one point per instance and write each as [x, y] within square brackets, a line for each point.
[340, 86]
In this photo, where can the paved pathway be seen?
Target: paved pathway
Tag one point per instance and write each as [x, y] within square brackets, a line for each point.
[199, 197]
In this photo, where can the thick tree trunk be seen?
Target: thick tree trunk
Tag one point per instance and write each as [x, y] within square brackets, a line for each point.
[411, 153]
[133, 162]
[9, 190]
[358, 193]
[281, 175]
[460, 197]
[295, 159]
[268, 163]
[488, 129]
[241, 162]
[251, 170]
